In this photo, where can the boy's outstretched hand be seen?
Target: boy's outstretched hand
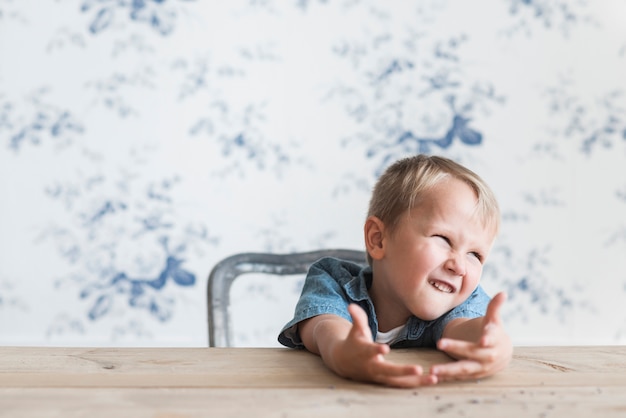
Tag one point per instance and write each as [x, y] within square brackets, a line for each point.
[481, 345]
[355, 355]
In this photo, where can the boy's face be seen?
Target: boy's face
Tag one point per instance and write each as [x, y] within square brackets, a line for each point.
[433, 260]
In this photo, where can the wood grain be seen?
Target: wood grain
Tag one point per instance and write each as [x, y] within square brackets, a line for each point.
[191, 382]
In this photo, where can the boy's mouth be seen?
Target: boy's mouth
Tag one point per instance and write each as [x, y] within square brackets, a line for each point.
[442, 286]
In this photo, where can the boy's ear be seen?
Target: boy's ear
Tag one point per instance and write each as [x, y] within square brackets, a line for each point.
[374, 231]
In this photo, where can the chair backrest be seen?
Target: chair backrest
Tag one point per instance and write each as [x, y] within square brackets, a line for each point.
[226, 271]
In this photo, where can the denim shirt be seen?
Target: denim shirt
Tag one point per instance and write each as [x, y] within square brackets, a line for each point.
[332, 284]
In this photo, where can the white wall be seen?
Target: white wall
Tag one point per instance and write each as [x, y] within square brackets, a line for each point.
[196, 130]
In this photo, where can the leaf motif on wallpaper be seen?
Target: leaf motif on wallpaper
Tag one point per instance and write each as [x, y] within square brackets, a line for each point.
[101, 306]
[160, 15]
[523, 277]
[10, 298]
[124, 245]
[612, 126]
[618, 234]
[414, 101]
[239, 134]
[64, 324]
[35, 121]
[122, 93]
[409, 143]
[102, 20]
[139, 292]
[560, 15]
[235, 129]
[597, 120]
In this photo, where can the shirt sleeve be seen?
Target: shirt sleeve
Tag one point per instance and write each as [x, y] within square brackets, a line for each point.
[321, 294]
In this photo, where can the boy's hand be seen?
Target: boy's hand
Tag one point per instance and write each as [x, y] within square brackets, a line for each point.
[359, 358]
[362, 359]
[486, 352]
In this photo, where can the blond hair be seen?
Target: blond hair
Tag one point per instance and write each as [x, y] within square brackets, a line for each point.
[404, 183]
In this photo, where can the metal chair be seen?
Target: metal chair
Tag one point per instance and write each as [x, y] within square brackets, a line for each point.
[226, 271]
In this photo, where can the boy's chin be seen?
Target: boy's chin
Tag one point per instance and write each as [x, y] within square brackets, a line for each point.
[429, 315]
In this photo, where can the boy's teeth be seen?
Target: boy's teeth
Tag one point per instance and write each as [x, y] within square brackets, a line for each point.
[442, 286]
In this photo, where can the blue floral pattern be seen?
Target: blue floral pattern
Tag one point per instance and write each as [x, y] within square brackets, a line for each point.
[158, 14]
[141, 141]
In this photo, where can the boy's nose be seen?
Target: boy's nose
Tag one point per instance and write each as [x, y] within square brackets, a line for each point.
[456, 264]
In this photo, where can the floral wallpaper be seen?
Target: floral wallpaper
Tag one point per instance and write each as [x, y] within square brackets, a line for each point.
[141, 142]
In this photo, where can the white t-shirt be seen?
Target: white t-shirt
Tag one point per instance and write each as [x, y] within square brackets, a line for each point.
[390, 336]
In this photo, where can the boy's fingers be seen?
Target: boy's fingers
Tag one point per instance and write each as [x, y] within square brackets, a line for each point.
[492, 319]
[396, 370]
[457, 370]
[359, 317]
[457, 347]
[359, 320]
[402, 375]
[465, 349]
[486, 339]
[493, 309]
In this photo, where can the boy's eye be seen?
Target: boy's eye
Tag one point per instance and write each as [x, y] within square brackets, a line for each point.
[443, 238]
[477, 255]
[474, 254]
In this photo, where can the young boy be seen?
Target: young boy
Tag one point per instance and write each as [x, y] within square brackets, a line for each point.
[430, 226]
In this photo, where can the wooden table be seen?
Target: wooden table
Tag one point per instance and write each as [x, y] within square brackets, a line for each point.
[274, 382]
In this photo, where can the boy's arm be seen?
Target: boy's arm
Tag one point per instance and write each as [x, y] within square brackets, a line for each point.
[348, 350]
[481, 345]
